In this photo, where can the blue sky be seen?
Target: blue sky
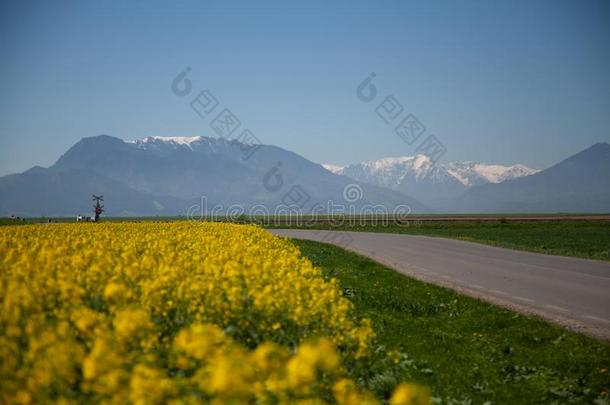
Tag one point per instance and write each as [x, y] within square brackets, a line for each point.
[499, 82]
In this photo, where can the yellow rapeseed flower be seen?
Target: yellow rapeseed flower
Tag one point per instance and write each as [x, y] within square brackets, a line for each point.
[178, 312]
[410, 394]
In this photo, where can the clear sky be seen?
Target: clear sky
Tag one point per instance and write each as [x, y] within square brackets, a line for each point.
[495, 81]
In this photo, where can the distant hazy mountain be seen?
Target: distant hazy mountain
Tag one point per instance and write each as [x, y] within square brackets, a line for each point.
[49, 192]
[434, 185]
[158, 175]
[580, 183]
[168, 176]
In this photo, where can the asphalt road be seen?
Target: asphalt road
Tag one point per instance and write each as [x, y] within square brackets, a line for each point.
[569, 291]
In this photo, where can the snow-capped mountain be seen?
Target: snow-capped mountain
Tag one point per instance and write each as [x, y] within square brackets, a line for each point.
[580, 183]
[432, 184]
[476, 173]
[170, 175]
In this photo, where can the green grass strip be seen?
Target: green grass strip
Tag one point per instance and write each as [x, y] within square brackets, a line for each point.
[465, 350]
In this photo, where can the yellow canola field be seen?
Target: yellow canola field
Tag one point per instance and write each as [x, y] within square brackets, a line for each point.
[177, 312]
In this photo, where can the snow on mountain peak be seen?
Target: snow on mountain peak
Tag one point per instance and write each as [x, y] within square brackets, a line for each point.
[167, 141]
[391, 171]
[178, 140]
[421, 161]
[332, 168]
[475, 173]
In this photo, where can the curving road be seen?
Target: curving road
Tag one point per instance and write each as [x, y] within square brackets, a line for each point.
[569, 291]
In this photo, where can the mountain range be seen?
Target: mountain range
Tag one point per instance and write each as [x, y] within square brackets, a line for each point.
[435, 185]
[172, 175]
[191, 175]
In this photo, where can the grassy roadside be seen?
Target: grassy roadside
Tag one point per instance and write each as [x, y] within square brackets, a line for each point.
[584, 239]
[465, 350]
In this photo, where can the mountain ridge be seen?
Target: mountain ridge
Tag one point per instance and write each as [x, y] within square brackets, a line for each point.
[579, 183]
[433, 184]
[493, 173]
[177, 172]
[171, 175]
